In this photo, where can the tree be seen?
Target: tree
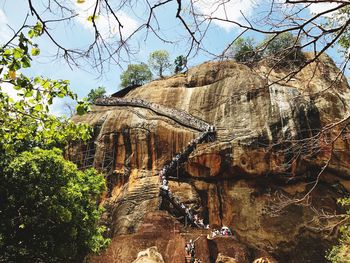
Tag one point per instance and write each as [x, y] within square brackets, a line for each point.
[48, 208]
[243, 50]
[341, 252]
[318, 30]
[179, 64]
[283, 48]
[194, 20]
[135, 75]
[159, 61]
[94, 94]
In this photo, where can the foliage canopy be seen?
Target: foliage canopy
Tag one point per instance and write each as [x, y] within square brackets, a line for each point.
[243, 50]
[94, 94]
[341, 252]
[159, 61]
[48, 210]
[283, 47]
[135, 75]
[179, 63]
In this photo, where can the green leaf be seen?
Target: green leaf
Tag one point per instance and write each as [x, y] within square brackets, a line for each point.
[80, 109]
[38, 107]
[25, 62]
[90, 18]
[7, 51]
[17, 53]
[28, 93]
[16, 65]
[35, 51]
[31, 33]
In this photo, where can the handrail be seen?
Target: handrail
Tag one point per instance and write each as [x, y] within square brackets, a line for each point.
[175, 114]
[181, 117]
[168, 169]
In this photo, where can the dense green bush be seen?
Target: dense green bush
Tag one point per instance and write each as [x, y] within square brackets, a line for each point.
[48, 209]
[94, 94]
[179, 63]
[281, 50]
[341, 252]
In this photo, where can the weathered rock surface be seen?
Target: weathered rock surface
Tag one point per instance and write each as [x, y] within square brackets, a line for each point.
[150, 255]
[225, 259]
[272, 141]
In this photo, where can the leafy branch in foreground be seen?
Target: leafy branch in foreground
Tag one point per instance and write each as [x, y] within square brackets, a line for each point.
[48, 209]
[341, 252]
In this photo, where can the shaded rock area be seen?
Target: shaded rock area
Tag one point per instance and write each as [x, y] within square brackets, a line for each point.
[273, 139]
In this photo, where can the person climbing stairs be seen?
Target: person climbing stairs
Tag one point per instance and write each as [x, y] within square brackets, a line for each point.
[167, 170]
[207, 130]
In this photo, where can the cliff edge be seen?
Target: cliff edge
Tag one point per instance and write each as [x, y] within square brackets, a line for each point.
[273, 140]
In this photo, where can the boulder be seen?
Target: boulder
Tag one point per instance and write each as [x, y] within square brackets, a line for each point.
[275, 137]
[150, 255]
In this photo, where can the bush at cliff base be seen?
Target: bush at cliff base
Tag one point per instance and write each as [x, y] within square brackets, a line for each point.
[48, 209]
[341, 252]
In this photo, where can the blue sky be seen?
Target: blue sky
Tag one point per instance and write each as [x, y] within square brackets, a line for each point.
[79, 33]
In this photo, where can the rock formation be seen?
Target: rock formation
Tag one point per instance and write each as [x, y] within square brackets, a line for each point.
[274, 138]
[150, 255]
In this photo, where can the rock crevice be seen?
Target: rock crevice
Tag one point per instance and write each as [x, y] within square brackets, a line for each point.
[271, 139]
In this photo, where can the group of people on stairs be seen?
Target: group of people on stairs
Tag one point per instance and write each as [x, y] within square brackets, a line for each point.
[193, 218]
[223, 232]
[178, 115]
[190, 251]
[167, 170]
[188, 120]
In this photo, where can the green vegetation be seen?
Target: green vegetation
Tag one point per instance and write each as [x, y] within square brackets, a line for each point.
[341, 252]
[243, 50]
[49, 213]
[48, 210]
[179, 64]
[135, 75]
[281, 50]
[94, 94]
[159, 61]
[337, 20]
[139, 74]
[285, 47]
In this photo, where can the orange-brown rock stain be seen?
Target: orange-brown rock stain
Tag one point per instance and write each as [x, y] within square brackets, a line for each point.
[271, 144]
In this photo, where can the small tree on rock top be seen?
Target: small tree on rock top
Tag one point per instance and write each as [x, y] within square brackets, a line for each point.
[284, 48]
[94, 94]
[159, 61]
[243, 50]
[180, 63]
[135, 75]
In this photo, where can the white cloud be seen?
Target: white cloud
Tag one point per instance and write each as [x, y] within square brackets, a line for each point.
[8, 89]
[226, 9]
[107, 25]
[62, 107]
[317, 8]
[4, 30]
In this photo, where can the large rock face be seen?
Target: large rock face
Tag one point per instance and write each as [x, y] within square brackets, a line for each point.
[275, 138]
